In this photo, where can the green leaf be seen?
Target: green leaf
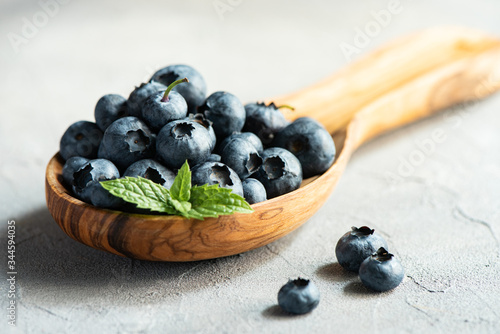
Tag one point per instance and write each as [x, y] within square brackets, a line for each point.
[181, 206]
[195, 202]
[181, 188]
[140, 191]
[200, 194]
[214, 201]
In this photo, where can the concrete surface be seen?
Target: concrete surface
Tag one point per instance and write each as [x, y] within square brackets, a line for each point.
[441, 216]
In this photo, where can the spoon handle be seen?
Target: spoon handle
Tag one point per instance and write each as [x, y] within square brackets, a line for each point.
[467, 79]
[335, 100]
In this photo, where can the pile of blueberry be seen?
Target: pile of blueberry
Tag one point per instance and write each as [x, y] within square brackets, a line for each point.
[250, 149]
[360, 250]
[365, 252]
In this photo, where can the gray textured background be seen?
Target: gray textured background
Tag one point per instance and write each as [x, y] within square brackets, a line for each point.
[442, 219]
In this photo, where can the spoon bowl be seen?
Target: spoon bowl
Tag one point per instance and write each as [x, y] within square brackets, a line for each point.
[174, 238]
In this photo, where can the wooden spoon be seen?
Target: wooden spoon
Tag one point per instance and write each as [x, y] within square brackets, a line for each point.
[337, 98]
[173, 238]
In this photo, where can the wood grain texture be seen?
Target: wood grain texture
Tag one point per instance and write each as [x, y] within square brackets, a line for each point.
[467, 79]
[336, 99]
[172, 238]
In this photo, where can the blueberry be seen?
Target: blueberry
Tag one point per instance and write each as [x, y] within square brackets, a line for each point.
[81, 139]
[214, 157]
[194, 92]
[264, 120]
[126, 141]
[280, 172]
[140, 94]
[183, 140]
[152, 170]
[108, 109]
[356, 245]
[72, 165]
[248, 136]
[164, 106]
[381, 271]
[253, 191]
[86, 184]
[242, 157]
[217, 173]
[200, 119]
[298, 296]
[225, 111]
[310, 142]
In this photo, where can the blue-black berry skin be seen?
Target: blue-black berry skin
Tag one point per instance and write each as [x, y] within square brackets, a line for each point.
[226, 113]
[156, 113]
[126, 141]
[202, 120]
[152, 170]
[194, 92]
[381, 271]
[86, 184]
[70, 167]
[242, 157]
[247, 136]
[253, 191]
[356, 245]
[264, 121]
[310, 142]
[108, 109]
[140, 94]
[183, 140]
[298, 296]
[81, 139]
[280, 172]
[216, 173]
[214, 158]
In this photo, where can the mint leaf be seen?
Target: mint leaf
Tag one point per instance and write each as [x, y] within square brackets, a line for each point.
[200, 194]
[182, 206]
[195, 202]
[214, 201]
[143, 192]
[181, 188]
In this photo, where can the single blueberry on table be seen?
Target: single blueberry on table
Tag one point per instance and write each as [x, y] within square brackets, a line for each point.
[226, 113]
[140, 94]
[108, 109]
[164, 106]
[81, 139]
[216, 173]
[87, 187]
[248, 136]
[298, 296]
[194, 92]
[381, 271]
[310, 142]
[242, 157]
[126, 141]
[264, 121]
[183, 140]
[253, 191]
[72, 165]
[280, 172]
[152, 170]
[356, 245]
[200, 119]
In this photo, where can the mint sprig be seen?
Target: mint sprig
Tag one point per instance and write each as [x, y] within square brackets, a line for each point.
[181, 188]
[142, 192]
[195, 202]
